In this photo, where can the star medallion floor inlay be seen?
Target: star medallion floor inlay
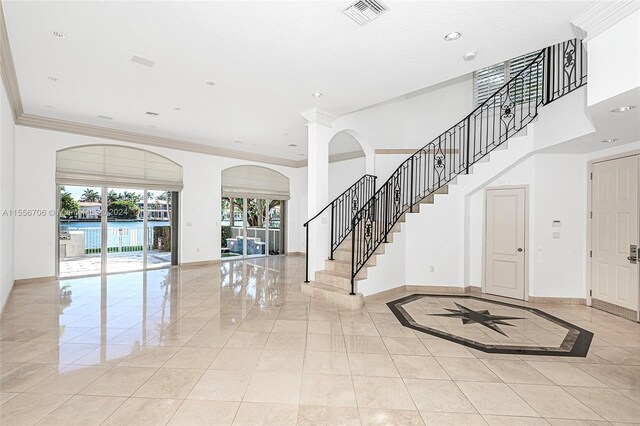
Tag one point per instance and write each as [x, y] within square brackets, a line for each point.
[491, 326]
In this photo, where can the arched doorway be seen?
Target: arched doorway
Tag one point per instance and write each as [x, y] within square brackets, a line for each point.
[347, 162]
[117, 210]
[253, 208]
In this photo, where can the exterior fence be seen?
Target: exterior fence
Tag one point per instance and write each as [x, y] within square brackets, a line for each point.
[123, 240]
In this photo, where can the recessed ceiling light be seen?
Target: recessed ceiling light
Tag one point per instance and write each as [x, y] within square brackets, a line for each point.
[177, 109]
[54, 79]
[58, 34]
[238, 142]
[285, 134]
[609, 140]
[623, 108]
[152, 126]
[105, 117]
[469, 56]
[453, 36]
[317, 95]
[49, 106]
[151, 113]
[210, 83]
[292, 144]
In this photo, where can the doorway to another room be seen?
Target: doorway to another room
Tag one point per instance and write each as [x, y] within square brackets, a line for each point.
[615, 234]
[257, 221]
[253, 212]
[105, 229]
[506, 242]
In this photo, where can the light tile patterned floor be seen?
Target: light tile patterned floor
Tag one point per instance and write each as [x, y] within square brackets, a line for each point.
[239, 344]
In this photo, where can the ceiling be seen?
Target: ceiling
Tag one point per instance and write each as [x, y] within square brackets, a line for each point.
[266, 59]
[624, 127]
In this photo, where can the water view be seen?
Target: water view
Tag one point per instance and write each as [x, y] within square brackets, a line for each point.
[119, 233]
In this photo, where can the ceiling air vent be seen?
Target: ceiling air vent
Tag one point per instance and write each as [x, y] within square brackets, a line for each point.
[365, 11]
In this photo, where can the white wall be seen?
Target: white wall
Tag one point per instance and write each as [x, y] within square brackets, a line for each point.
[413, 120]
[386, 164]
[7, 148]
[614, 60]
[343, 174]
[386, 274]
[200, 200]
[444, 243]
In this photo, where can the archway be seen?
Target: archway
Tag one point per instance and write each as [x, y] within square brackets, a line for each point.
[117, 209]
[253, 211]
[347, 162]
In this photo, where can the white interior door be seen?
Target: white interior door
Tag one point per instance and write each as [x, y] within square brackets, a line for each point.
[614, 229]
[505, 242]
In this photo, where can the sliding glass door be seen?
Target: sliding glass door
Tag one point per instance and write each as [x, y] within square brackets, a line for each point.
[125, 230]
[79, 230]
[106, 230]
[159, 225]
[275, 222]
[256, 228]
[251, 227]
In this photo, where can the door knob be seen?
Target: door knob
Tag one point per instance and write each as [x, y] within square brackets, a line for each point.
[633, 254]
[519, 248]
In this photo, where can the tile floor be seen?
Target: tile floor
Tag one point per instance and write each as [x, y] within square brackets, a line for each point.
[239, 344]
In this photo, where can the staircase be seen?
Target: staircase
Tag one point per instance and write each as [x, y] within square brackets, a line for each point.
[360, 231]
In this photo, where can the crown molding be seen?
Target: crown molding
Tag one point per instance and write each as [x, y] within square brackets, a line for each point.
[38, 122]
[346, 156]
[337, 157]
[602, 16]
[319, 116]
[8, 71]
[10, 81]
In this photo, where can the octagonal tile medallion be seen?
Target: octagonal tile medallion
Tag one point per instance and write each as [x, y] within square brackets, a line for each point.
[491, 326]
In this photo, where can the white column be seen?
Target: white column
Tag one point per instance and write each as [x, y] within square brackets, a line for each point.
[319, 136]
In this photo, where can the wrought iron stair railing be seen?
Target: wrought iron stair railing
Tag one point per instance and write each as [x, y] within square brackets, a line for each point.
[342, 209]
[555, 72]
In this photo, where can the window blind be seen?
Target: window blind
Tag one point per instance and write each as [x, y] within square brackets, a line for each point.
[117, 166]
[487, 81]
[254, 182]
[526, 88]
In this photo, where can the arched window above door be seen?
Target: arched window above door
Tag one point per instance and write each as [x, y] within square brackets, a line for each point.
[254, 182]
[117, 166]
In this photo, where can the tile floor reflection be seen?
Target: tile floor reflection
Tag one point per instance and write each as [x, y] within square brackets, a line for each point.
[238, 344]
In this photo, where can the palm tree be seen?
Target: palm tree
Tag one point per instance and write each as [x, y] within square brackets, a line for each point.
[165, 196]
[113, 196]
[131, 196]
[90, 196]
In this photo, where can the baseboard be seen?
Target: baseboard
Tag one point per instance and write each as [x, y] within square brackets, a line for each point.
[36, 280]
[201, 263]
[444, 289]
[422, 289]
[558, 300]
[295, 254]
[385, 294]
